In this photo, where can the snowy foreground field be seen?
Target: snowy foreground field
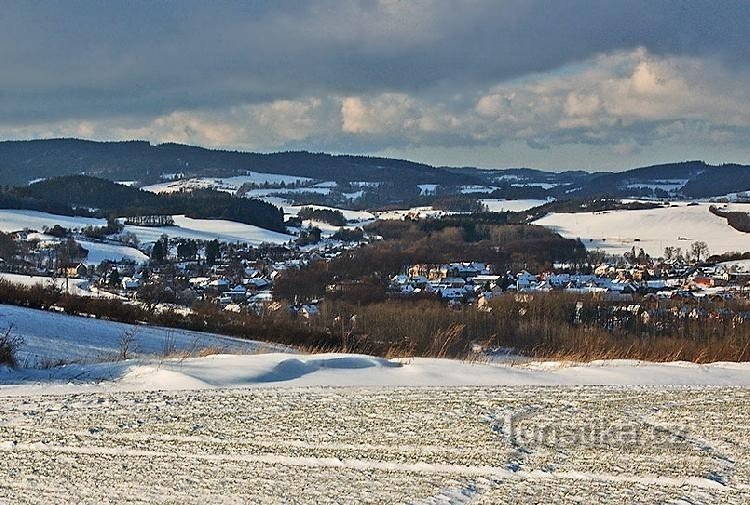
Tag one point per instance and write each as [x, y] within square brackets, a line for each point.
[284, 427]
[373, 445]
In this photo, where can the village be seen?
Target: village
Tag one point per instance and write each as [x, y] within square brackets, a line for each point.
[674, 289]
[239, 277]
[175, 273]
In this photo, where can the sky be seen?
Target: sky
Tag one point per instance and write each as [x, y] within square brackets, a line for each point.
[567, 84]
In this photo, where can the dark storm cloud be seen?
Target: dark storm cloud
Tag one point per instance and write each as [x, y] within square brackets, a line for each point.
[141, 59]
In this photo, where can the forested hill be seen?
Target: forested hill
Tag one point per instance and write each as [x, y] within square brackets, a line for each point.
[23, 161]
[690, 179]
[84, 195]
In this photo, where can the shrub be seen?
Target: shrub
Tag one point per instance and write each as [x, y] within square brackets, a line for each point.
[9, 345]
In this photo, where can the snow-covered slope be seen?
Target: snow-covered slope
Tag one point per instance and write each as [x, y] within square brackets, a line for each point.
[209, 229]
[80, 287]
[53, 337]
[184, 227]
[678, 226]
[229, 184]
[99, 251]
[511, 205]
[285, 369]
[16, 220]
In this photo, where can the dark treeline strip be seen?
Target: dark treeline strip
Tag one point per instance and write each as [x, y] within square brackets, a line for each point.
[740, 221]
[330, 216]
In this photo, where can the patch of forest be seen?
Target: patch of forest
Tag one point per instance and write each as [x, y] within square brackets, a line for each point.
[80, 195]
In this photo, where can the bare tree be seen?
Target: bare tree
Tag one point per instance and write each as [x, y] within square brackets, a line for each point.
[127, 344]
[699, 249]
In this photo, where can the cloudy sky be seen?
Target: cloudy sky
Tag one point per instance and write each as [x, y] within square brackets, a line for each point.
[561, 84]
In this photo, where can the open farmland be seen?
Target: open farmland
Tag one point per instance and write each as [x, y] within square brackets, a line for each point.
[184, 227]
[398, 445]
[209, 229]
[616, 232]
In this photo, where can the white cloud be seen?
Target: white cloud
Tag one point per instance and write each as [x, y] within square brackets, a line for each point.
[620, 101]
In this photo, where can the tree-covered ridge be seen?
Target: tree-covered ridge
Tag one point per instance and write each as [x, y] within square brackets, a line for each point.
[22, 161]
[84, 195]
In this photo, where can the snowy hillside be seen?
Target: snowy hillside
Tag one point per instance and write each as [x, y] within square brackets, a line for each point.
[616, 232]
[511, 205]
[17, 220]
[80, 287]
[228, 184]
[209, 229]
[185, 227]
[53, 337]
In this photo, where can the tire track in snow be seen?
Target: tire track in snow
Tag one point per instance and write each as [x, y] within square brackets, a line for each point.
[499, 473]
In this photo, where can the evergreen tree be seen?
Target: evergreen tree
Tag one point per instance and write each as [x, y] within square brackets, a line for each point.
[157, 252]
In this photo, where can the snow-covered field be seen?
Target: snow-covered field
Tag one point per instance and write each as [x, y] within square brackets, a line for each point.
[184, 227]
[80, 287]
[615, 232]
[50, 337]
[229, 184]
[209, 229]
[485, 445]
[419, 212]
[99, 252]
[90, 340]
[262, 193]
[17, 220]
[511, 205]
[350, 215]
[358, 429]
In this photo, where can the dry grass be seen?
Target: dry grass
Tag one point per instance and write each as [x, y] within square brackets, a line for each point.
[9, 345]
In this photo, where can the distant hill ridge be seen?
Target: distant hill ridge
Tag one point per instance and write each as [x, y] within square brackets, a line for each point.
[24, 161]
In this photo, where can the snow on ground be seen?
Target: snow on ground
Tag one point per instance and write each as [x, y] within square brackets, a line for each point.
[430, 431]
[478, 189]
[374, 445]
[265, 178]
[79, 287]
[349, 215]
[326, 184]
[209, 229]
[90, 339]
[51, 337]
[229, 184]
[740, 195]
[736, 207]
[419, 212]
[737, 265]
[427, 189]
[616, 232]
[354, 195]
[263, 193]
[664, 185]
[360, 370]
[16, 220]
[511, 205]
[100, 251]
[543, 185]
